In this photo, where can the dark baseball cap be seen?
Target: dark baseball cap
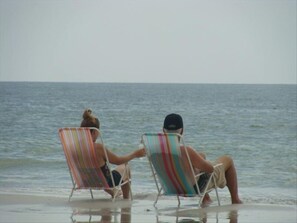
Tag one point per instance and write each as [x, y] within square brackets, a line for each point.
[173, 122]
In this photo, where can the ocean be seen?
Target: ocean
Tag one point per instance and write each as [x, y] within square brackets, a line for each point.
[255, 124]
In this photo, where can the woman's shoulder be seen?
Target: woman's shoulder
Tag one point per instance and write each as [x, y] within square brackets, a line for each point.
[99, 151]
[98, 147]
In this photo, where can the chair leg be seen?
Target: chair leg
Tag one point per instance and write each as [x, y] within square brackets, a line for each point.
[116, 190]
[156, 200]
[131, 195]
[178, 200]
[160, 189]
[202, 197]
[71, 194]
[219, 202]
[91, 193]
[199, 202]
[217, 194]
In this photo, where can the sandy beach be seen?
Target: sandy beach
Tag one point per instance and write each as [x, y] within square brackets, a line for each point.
[37, 208]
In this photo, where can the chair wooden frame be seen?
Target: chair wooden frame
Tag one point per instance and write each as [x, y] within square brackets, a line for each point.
[85, 171]
[164, 156]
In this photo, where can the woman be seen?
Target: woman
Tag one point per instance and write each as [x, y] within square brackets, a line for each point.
[89, 120]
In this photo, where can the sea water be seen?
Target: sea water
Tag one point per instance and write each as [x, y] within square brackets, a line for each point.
[255, 124]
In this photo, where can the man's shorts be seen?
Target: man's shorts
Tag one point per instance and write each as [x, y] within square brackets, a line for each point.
[219, 177]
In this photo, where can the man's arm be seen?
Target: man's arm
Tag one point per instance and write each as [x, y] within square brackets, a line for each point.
[199, 162]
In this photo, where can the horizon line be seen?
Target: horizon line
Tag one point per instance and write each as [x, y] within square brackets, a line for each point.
[115, 82]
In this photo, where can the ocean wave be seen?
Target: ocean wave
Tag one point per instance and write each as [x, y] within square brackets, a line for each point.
[257, 126]
[28, 162]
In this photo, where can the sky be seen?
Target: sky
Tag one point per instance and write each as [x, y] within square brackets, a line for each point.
[148, 41]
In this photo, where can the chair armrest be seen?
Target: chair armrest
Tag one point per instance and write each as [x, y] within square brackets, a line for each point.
[199, 174]
[217, 165]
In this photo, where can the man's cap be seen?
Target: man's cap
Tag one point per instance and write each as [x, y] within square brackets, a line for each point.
[173, 122]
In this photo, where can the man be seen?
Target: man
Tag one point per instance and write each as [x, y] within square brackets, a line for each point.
[225, 175]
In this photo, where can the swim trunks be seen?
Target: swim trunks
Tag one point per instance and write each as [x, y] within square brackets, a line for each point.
[116, 175]
[219, 177]
[202, 181]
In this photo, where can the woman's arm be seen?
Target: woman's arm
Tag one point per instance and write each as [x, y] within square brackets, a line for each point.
[118, 160]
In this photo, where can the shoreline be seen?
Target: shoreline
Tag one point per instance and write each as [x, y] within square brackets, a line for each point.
[36, 208]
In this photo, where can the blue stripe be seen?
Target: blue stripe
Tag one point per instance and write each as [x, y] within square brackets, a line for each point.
[175, 147]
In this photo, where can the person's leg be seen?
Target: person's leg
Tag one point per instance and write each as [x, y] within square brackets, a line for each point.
[106, 216]
[231, 178]
[202, 154]
[109, 192]
[126, 215]
[126, 187]
[206, 200]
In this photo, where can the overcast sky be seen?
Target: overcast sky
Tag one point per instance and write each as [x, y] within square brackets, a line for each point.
[174, 41]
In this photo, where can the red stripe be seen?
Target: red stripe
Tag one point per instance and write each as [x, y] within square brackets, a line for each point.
[168, 164]
[179, 183]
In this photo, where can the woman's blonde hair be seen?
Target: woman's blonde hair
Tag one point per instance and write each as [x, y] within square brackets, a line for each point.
[89, 120]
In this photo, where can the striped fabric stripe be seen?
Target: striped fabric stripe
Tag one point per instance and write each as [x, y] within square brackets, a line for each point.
[81, 158]
[164, 150]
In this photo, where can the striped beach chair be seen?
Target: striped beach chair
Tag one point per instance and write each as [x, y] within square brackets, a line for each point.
[168, 168]
[83, 165]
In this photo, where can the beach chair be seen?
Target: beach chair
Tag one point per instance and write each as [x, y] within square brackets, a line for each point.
[168, 169]
[83, 165]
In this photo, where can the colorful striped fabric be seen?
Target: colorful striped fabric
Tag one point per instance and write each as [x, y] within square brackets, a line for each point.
[164, 153]
[80, 155]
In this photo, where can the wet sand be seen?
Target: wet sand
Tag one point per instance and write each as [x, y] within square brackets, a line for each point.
[32, 208]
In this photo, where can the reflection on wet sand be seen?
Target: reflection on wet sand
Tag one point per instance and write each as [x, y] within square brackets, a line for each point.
[123, 215]
[101, 215]
[231, 218]
[95, 211]
[190, 215]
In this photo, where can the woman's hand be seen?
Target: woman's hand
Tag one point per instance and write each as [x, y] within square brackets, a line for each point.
[139, 153]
